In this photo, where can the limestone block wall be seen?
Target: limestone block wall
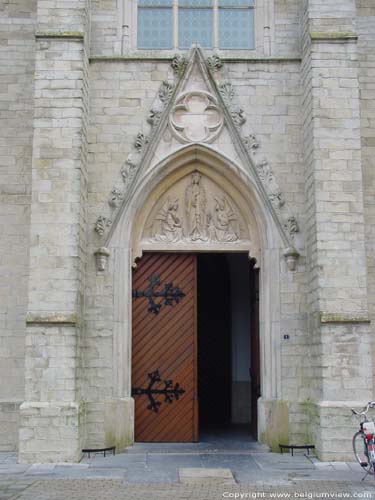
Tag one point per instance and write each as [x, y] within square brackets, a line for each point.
[57, 247]
[287, 27]
[315, 123]
[338, 320]
[106, 25]
[17, 25]
[366, 51]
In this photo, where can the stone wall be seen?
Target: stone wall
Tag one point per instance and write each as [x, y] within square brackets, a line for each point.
[315, 123]
[17, 25]
[339, 331]
[287, 28]
[366, 50]
[53, 395]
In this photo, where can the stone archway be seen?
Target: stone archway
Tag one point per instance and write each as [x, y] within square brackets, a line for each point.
[255, 232]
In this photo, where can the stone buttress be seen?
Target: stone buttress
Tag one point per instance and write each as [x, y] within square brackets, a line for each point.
[50, 417]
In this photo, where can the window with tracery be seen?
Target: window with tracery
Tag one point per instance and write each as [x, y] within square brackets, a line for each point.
[169, 24]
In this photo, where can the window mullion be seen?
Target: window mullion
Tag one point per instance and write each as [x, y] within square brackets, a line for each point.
[216, 24]
[175, 24]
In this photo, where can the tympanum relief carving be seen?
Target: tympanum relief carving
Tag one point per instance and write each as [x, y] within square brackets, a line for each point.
[195, 210]
[168, 225]
[195, 205]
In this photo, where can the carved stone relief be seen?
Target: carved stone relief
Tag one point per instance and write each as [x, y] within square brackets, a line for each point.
[101, 224]
[195, 205]
[179, 64]
[223, 223]
[196, 117]
[168, 225]
[195, 210]
[228, 95]
[214, 62]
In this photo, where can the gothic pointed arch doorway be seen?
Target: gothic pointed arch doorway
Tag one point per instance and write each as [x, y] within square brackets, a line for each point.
[195, 201]
[191, 311]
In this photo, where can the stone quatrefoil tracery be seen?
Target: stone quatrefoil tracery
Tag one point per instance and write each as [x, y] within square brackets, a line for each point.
[196, 117]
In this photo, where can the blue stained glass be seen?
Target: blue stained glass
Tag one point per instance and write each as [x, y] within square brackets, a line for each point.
[236, 29]
[155, 3]
[236, 3]
[155, 28]
[195, 26]
[195, 3]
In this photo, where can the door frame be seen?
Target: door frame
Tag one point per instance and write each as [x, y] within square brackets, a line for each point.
[124, 246]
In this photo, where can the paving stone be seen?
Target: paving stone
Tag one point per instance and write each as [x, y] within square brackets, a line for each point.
[202, 475]
[36, 469]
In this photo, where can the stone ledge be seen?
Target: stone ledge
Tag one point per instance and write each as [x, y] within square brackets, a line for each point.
[333, 37]
[56, 405]
[146, 58]
[340, 404]
[51, 318]
[9, 405]
[343, 318]
[60, 34]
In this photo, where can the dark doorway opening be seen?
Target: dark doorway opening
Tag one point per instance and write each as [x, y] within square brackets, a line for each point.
[228, 342]
[214, 341]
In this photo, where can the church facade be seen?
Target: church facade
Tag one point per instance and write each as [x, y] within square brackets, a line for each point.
[188, 222]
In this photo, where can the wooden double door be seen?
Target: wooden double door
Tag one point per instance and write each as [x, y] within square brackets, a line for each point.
[165, 345]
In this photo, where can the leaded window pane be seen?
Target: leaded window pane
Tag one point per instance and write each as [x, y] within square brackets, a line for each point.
[155, 3]
[155, 28]
[236, 3]
[195, 26]
[195, 3]
[236, 28]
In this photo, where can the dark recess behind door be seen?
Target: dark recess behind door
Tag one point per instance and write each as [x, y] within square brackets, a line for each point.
[214, 341]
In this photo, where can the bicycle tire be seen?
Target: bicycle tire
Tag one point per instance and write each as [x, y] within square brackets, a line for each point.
[360, 451]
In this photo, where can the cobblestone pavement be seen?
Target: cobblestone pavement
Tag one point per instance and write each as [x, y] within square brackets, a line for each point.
[100, 489]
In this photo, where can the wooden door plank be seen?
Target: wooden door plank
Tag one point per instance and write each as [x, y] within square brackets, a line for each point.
[166, 342]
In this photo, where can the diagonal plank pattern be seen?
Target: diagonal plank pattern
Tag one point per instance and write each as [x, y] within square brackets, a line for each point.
[165, 342]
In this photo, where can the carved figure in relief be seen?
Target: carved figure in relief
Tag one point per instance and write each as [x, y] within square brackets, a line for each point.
[170, 225]
[195, 205]
[222, 224]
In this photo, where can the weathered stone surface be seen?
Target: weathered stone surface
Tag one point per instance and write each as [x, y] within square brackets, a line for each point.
[190, 475]
[72, 107]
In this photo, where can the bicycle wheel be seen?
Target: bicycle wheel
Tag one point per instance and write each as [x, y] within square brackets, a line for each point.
[360, 451]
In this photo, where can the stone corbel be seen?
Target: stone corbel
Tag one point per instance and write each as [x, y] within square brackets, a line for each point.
[291, 256]
[101, 257]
